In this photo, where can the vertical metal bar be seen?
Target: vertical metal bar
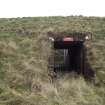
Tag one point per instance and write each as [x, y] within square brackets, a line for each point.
[65, 56]
[83, 61]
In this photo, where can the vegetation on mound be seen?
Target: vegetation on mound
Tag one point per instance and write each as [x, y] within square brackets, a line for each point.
[24, 50]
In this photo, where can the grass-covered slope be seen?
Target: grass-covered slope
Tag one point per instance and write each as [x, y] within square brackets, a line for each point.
[24, 50]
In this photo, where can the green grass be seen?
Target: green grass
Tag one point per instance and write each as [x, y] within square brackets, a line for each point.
[24, 50]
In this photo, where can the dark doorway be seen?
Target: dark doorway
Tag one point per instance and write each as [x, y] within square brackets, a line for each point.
[69, 53]
[69, 56]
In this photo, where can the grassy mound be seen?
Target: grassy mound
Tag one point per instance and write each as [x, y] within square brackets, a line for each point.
[24, 50]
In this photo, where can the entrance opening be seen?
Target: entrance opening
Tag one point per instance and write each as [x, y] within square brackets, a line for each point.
[69, 53]
[68, 56]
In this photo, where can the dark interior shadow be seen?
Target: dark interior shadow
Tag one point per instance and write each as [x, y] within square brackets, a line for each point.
[74, 61]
